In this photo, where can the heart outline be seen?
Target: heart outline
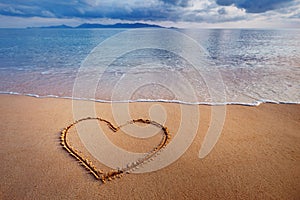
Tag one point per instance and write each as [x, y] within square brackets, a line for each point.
[112, 174]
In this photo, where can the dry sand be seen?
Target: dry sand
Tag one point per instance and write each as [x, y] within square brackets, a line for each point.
[256, 157]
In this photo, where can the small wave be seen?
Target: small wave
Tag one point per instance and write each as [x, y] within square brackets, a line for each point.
[255, 103]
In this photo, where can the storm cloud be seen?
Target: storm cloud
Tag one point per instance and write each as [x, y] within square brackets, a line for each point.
[255, 6]
[207, 11]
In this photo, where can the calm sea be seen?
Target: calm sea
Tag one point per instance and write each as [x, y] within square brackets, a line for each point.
[235, 66]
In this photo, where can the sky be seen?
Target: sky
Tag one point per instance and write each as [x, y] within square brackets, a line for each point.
[177, 13]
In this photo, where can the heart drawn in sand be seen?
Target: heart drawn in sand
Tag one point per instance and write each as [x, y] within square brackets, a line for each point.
[114, 173]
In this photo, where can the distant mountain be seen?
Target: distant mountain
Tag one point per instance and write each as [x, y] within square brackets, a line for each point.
[118, 25]
[59, 26]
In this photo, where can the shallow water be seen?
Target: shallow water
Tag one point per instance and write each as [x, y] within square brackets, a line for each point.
[254, 65]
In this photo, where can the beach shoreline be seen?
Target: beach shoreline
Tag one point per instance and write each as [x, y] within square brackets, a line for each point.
[256, 156]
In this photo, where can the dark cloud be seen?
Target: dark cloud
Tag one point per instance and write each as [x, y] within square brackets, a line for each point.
[162, 10]
[255, 6]
[222, 11]
[135, 10]
[182, 3]
[42, 8]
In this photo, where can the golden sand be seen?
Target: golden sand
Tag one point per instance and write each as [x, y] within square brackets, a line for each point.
[256, 157]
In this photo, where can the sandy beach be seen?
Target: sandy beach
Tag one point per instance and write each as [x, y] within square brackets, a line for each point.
[257, 155]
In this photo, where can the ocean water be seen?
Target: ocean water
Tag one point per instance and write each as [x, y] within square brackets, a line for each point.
[196, 66]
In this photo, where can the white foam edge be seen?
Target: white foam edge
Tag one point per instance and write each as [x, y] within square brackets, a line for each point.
[255, 103]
